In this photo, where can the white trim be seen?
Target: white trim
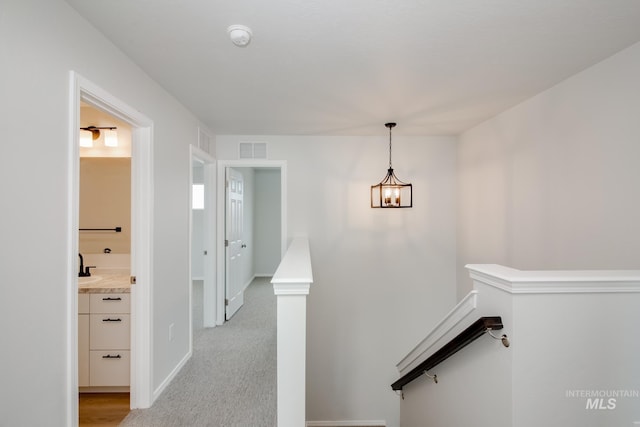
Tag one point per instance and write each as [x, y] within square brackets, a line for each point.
[73, 222]
[80, 89]
[158, 391]
[291, 288]
[142, 266]
[556, 282]
[372, 423]
[424, 349]
[222, 166]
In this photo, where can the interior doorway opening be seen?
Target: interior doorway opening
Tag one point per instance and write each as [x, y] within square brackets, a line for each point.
[202, 240]
[262, 243]
[104, 246]
[84, 92]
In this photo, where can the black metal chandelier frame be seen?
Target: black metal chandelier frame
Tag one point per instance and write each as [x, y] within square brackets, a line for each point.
[391, 192]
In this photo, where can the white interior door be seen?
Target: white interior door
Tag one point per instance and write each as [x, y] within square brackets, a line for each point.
[234, 243]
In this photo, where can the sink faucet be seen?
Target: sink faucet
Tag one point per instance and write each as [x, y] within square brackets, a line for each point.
[84, 271]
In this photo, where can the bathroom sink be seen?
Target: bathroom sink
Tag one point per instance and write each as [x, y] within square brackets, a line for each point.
[88, 280]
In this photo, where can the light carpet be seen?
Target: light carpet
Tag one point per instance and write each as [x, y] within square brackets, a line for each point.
[230, 381]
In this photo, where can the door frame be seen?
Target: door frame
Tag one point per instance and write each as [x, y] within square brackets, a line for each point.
[221, 219]
[141, 388]
[209, 287]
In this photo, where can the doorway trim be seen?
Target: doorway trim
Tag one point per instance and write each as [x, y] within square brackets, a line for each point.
[209, 286]
[220, 219]
[141, 388]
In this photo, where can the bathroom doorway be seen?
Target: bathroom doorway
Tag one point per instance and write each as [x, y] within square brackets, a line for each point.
[104, 245]
[86, 93]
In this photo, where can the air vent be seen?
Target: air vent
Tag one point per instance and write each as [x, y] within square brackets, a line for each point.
[204, 140]
[252, 150]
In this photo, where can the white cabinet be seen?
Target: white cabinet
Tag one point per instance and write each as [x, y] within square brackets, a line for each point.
[108, 340]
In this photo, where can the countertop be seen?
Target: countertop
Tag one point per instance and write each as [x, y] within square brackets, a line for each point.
[105, 281]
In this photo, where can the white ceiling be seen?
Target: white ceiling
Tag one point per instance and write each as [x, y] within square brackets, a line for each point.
[345, 67]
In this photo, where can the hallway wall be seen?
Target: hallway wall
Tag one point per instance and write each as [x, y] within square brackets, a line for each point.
[41, 42]
[267, 222]
[552, 183]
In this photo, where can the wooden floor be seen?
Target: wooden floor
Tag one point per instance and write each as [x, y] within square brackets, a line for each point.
[103, 409]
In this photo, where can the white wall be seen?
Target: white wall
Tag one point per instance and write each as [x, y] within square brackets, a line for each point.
[553, 182]
[267, 222]
[380, 275]
[41, 41]
[105, 202]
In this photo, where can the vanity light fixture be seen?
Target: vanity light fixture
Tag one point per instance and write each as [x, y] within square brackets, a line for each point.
[110, 138]
[391, 192]
[92, 133]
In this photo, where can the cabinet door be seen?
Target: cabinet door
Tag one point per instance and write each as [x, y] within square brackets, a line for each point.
[83, 303]
[110, 331]
[109, 368]
[83, 350]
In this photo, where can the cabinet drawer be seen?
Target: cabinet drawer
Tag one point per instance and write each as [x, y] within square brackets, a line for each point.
[109, 368]
[109, 331]
[83, 303]
[110, 303]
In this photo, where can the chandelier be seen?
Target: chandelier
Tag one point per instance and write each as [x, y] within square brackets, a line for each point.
[391, 192]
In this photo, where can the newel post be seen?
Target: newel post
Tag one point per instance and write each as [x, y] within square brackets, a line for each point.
[291, 284]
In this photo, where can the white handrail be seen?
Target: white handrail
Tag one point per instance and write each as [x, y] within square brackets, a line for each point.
[291, 284]
[295, 267]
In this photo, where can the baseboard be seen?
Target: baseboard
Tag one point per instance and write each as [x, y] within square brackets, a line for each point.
[246, 285]
[158, 391]
[352, 423]
[263, 275]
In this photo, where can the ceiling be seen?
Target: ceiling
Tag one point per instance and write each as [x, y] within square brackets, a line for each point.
[345, 67]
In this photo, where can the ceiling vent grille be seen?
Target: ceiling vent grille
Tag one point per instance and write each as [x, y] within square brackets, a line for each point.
[204, 140]
[252, 150]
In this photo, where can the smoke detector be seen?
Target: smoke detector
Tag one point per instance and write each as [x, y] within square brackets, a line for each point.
[240, 35]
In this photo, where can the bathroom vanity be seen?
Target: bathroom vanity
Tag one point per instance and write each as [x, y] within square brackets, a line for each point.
[104, 331]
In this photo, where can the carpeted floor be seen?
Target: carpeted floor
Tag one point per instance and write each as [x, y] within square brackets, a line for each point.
[230, 381]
